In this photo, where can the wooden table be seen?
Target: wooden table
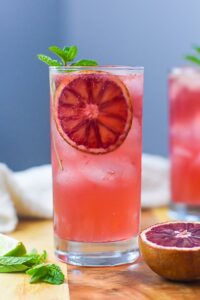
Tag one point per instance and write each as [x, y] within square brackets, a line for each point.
[128, 282]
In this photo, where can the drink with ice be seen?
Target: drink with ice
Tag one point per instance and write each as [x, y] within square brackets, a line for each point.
[184, 96]
[96, 133]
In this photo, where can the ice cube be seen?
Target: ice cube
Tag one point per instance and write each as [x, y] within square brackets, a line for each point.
[186, 77]
[68, 176]
[108, 172]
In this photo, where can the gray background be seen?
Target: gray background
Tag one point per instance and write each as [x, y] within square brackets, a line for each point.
[153, 33]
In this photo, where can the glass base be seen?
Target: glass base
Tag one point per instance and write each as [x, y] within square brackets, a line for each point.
[97, 254]
[184, 212]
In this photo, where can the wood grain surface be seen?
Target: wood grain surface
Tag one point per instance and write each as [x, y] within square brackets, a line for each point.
[39, 235]
[128, 282]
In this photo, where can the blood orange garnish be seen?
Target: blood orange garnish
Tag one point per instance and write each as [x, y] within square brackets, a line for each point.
[172, 249]
[93, 111]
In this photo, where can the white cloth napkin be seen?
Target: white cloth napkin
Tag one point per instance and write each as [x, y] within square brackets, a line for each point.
[29, 193]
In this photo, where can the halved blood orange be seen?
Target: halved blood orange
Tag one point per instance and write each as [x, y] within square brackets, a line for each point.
[172, 249]
[93, 111]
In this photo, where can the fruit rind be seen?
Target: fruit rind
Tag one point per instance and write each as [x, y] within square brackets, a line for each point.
[18, 251]
[16, 248]
[178, 264]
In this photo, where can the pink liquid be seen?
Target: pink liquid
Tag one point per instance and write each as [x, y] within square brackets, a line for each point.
[184, 93]
[97, 197]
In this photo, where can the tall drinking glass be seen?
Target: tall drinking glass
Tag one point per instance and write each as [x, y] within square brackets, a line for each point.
[96, 134]
[184, 96]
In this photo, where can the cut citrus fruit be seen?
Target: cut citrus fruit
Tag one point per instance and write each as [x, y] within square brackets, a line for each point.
[93, 111]
[172, 249]
[11, 247]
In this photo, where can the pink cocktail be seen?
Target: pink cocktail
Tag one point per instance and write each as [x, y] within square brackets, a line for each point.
[96, 133]
[184, 94]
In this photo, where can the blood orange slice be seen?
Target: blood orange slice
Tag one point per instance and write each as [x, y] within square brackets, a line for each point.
[172, 249]
[93, 111]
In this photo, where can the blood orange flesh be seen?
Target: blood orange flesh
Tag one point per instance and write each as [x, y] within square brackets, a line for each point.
[178, 234]
[172, 249]
[93, 111]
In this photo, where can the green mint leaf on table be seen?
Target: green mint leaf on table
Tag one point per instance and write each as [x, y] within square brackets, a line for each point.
[35, 258]
[48, 60]
[14, 260]
[193, 59]
[85, 62]
[13, 268]
[49, 273]
[22, 263]
[66, 55]
[34, 253]
[10, 264]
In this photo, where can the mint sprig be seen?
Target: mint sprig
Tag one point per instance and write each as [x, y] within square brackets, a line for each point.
[194, 58]
[15, 260]
[48, 60]
[66, 55]
[49, 273]
[33, 264]
[9, 264]
[62, 54]
[197, 49]
[35, 258]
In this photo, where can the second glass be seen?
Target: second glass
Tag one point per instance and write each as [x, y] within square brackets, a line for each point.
[184, 97]
[96, 134]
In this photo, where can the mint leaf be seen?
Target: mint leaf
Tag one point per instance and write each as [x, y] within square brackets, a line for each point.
[13, 268]
[66, 49]
[67, 54]
[54, 275]
[197, 49]
[13, 263]
[49, 273]
[33, 264]
[35, 258]
[9, 264]
[37, 273]
[193, 59]
[63, 55]
[42, 257]
[36, 269]
[85, 62]
[14, 260]
[48, 60]
[34, 253]
[71, 53]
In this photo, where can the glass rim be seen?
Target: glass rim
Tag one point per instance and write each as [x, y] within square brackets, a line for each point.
[180, 70]
[138, 69]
